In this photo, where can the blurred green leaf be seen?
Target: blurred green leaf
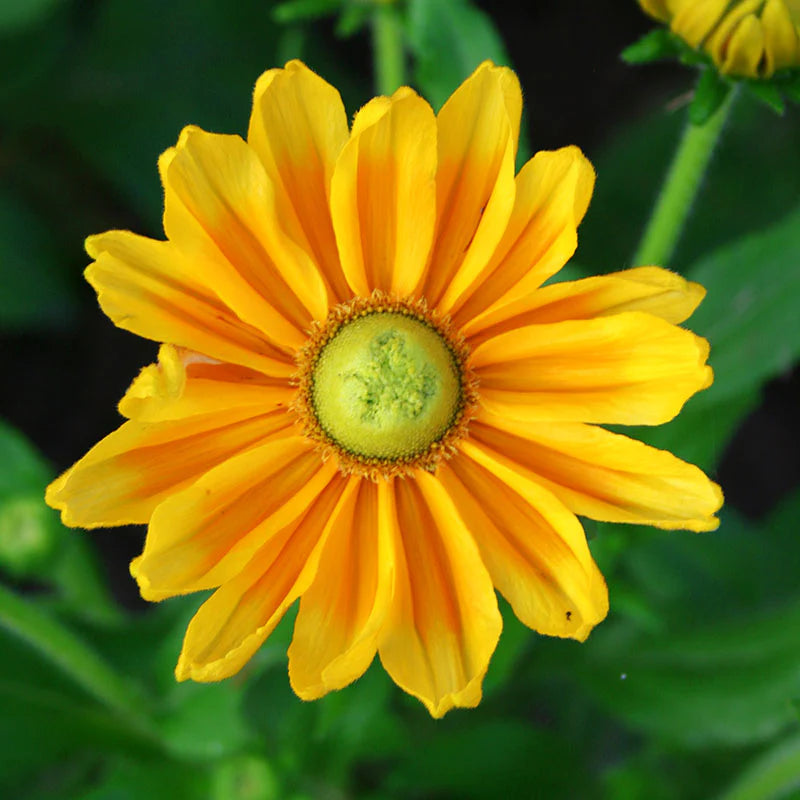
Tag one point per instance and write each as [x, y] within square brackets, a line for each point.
[658, 43]
[36, 292]
[729, 683]
[49, 718]
[773, 775]
[205, 720]
[34, 544]
[483, 758]
[119, 108]
[28, 529]
[750, 317]
[516, 641]
[353, 18]
[245, 777]
[750, 314]
[72, 656]
[448, 39]
[135, 779]
[769, 94]
[709, 95]
[24, 470]
[15, 14]
[296, 10]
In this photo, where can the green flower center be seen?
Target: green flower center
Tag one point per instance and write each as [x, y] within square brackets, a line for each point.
[386, 386]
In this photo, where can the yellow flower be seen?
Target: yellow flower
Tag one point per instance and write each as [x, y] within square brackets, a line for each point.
[746, 38]
[366, 398]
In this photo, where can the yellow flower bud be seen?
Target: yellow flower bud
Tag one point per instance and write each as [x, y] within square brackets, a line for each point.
[745, 38]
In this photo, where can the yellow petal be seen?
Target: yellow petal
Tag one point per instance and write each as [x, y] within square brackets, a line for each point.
[383, 195]
[220, 206]
[183, 383]
[552, 194]
[695, 19]
[603, 475]
[745, 49]
[781, 37]
[656, 8]
[732, 49]
[444, 623]
[534, 548]
[148, 287]
[298, 128]
[234, 622]
[203, 536]
[628, 369]
[124, 477]
[478, 129]
[651, 289]
[336, 632]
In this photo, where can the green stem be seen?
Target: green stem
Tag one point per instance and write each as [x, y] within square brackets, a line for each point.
[680, 187]
[387, 46]
[73, 658]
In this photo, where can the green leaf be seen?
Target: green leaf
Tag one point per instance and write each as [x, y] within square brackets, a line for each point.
[769, 94]
[353, 18]
[772, 775]
[16, 14]
[725, 684]
[657, 44]
[709, 95]
[34, 544]
[246, 777]
[135, 779]
[119, 109]
[750, 314]
[448, 39]
[791, 85]
[205, 720]
[73, 657]
[48, 719]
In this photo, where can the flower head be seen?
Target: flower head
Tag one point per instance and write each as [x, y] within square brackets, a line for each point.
[366, 398]
[746, 38]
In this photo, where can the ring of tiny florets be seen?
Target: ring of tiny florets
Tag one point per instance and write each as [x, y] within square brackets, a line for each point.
[376, 468]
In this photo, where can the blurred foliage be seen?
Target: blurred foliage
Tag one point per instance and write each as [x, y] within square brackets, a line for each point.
[689, 690]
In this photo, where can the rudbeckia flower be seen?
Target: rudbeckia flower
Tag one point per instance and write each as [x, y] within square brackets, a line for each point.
[746, 38]
[366, 398]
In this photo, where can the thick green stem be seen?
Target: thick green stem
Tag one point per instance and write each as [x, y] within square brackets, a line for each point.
[387, 46]
[680, 187]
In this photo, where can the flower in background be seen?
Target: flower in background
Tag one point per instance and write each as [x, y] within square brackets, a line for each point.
[367, 399]
[745, 38]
